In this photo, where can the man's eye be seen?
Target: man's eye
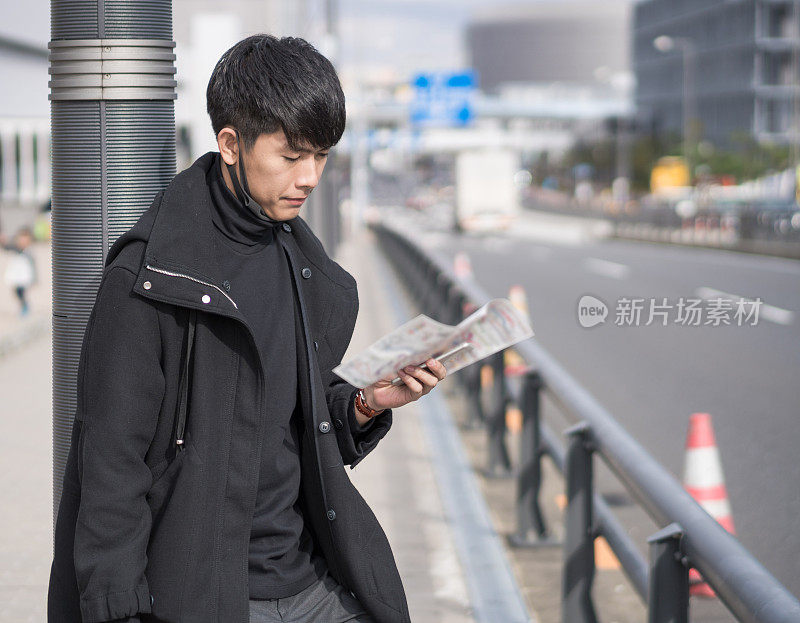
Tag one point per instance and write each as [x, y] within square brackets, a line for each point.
[292, 159]
[325, 155]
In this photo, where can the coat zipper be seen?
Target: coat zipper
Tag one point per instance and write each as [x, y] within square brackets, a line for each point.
[205, 283]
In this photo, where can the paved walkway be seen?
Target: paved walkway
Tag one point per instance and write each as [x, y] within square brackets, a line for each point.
[25, 447]
[25, 482]
[397, 479]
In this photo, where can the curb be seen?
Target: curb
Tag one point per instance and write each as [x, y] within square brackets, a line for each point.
[493, 589]
[672, 237]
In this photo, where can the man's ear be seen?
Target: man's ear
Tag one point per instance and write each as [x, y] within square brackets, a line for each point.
[228, 146]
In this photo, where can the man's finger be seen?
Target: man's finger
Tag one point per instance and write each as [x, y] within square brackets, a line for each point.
[422, 375]
[412, 383]
[437, 367]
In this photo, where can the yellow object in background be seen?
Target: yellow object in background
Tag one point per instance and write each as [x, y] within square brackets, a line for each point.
[669, 172]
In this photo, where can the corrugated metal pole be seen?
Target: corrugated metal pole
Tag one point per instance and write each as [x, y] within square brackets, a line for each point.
[113, 148]
[322, 210]
[331, 234]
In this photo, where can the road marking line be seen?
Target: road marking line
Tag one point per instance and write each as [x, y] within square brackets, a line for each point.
[606, 268]
[767, 312]
[539, 252]
[497, 244]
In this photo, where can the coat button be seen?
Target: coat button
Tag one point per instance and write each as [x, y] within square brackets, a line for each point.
[316, 345]
[306, 272]
[324, 427]
[206, 298]
[338, 424]
[331, 514]
[147, 285]
[287, 228]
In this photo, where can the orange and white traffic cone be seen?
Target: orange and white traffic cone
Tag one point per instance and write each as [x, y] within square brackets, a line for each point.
[514, 364]
[704, 481]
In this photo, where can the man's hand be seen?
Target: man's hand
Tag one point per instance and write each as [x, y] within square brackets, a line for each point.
[416, 383]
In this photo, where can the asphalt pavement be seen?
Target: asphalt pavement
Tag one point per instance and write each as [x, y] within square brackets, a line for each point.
[653, 377]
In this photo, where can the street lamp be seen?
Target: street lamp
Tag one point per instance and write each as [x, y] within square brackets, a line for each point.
[667, 44]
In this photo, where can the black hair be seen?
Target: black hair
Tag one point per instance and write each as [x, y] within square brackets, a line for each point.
[263, 84]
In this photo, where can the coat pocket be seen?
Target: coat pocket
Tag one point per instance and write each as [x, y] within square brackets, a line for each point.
[173, 500]
[164, 479]
[166, 476]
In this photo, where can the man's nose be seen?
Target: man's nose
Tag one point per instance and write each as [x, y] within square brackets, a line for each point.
[308, 175]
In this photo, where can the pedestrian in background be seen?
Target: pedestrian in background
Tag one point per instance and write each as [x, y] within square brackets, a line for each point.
[20, 271]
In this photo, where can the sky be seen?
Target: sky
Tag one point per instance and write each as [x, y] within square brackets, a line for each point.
[27, 21]
[406, 34]
[403, 34]
[380, 41]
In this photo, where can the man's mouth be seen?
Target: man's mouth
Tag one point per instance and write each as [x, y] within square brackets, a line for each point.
[295, 201]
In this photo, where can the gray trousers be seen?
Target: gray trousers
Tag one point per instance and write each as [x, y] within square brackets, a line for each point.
[324, 601]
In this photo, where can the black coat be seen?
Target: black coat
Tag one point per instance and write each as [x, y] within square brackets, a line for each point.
[144, 527]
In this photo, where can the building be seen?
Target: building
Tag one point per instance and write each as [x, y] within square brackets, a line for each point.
[203, 30]
[742, 67]
[566, 42]
[562, 65]
[24, 123]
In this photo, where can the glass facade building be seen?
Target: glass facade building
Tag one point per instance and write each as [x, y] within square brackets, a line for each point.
[743, 68]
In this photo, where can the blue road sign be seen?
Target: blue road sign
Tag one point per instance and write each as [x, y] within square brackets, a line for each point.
[443, 99]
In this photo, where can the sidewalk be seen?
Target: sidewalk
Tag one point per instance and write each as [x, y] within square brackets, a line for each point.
[26, 482]
[397, 479]
[26, 531]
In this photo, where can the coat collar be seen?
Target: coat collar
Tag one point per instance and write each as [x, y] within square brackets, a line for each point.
[183, 234]
[180, 264]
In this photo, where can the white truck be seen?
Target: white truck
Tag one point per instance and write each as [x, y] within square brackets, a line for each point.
[486, 197]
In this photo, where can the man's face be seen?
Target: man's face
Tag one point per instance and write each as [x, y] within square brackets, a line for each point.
[281, 178]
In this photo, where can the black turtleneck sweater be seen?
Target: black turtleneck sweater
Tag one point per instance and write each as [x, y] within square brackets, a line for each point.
[281, 558]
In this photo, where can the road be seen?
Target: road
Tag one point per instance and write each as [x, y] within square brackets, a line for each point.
[651, 378]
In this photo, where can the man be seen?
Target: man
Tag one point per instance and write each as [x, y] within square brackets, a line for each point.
[206, 479]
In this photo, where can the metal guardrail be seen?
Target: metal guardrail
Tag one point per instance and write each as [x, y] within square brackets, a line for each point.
[690, 537]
